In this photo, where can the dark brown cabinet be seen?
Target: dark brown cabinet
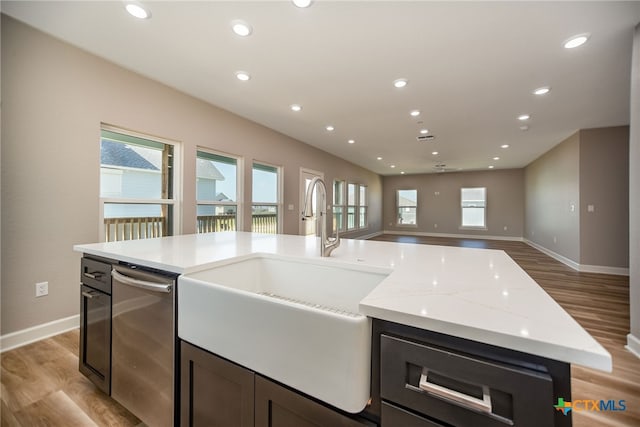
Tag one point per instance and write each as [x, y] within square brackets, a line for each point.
[215, 392]
[425, 379]
[277, 406]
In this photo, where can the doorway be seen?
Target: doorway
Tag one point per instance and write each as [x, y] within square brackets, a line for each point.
[308, 226]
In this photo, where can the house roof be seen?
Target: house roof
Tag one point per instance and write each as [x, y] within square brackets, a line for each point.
[207, 170]
[118, 154]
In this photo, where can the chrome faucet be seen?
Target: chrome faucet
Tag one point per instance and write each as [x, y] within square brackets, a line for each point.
[327, 244]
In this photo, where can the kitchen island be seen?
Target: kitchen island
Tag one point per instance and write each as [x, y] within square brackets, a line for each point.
[439, 301]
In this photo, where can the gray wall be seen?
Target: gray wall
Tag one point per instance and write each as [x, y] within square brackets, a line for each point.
[54, 98]
[552, 199]
[634, 193]
[588, 168]
[505, 201]
[604, 184]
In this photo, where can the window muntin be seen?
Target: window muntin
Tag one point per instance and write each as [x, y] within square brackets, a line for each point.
[407, 206]
[136, 186]
[265, 199]
[473, 202]
[217, 192]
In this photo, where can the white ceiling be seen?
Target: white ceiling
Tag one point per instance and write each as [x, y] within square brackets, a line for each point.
[471, 67]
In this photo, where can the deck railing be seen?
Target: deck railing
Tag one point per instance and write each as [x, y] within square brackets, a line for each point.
[133, 228]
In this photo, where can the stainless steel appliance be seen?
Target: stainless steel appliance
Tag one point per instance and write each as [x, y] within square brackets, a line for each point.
[95, 322]
[143, 343]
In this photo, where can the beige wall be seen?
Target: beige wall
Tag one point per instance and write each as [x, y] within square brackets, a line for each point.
[552, 199]
[634, 195]
[505, 201]
[54, 99]
[604, 184]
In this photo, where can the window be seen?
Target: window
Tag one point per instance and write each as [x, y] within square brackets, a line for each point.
[407, 203]
[217, 192]
[473, 202]
[265, 199]
[338, 205]
[137, 177]
[351, 206]
[362, 207]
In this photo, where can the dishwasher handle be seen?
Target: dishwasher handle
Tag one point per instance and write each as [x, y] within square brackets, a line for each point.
[142, 284]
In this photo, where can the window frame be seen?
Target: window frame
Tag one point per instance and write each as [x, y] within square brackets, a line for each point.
[175, 227]
[484, 208]
[354, 206]
[398, 207]
[364, 206]
[239, 186]
[279, 203]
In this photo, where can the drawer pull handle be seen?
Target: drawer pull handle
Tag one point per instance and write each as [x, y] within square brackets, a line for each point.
[87, 294]
[483, 405]
[95, 276]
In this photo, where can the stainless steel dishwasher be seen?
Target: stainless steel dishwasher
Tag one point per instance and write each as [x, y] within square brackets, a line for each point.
[143, 343]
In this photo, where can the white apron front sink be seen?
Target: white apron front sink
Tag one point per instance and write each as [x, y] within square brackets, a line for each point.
[293, 320]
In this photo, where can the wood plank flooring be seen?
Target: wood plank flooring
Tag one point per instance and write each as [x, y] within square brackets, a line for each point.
[599, 302]
[41, 385]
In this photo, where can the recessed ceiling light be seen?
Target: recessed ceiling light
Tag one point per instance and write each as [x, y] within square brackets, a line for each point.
[351, 141]
[400, 83]
[138, 10]
[241, 28]
[575, 41]
[435, 153]
[504, 146]
[330, 128]
[243, 75]
[402, 173]
[415, 113]
[542, 90]
[496, 158]
[524, 128]
[393, 166]
[379, 158]
[295, 107]
[424, 131]
[523, 117]
[491, 167]
[302, 3]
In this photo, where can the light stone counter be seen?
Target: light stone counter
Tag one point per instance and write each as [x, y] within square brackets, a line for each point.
[476, 294]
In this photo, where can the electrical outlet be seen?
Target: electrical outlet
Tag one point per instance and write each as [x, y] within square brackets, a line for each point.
[42, 289]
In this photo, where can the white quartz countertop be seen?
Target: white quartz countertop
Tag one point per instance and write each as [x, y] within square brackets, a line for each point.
[476, 294]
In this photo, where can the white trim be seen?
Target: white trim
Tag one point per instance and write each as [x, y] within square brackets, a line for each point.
[460, 236]
[633, 345]
[583, 268]
[369, 236]
[566, 261]
[38, 332]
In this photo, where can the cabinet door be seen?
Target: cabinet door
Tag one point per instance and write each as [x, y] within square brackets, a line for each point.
[277, 406]
[214, 392]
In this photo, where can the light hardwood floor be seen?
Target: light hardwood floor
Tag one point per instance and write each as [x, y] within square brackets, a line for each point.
[41, 385]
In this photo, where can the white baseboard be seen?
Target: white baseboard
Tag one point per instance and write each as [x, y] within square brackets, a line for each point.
[584, 268]
[633, 345]
[369, 236]
[456, 236]
[38, 332]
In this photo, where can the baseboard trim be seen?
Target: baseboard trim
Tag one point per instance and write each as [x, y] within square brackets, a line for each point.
[633, 345]
[369, 236]
[583, 268]
[456, 236]
[38, 332]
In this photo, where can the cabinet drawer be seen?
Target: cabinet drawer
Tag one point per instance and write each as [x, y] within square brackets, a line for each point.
[96, 274]
[461, 390]
[394, 416]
